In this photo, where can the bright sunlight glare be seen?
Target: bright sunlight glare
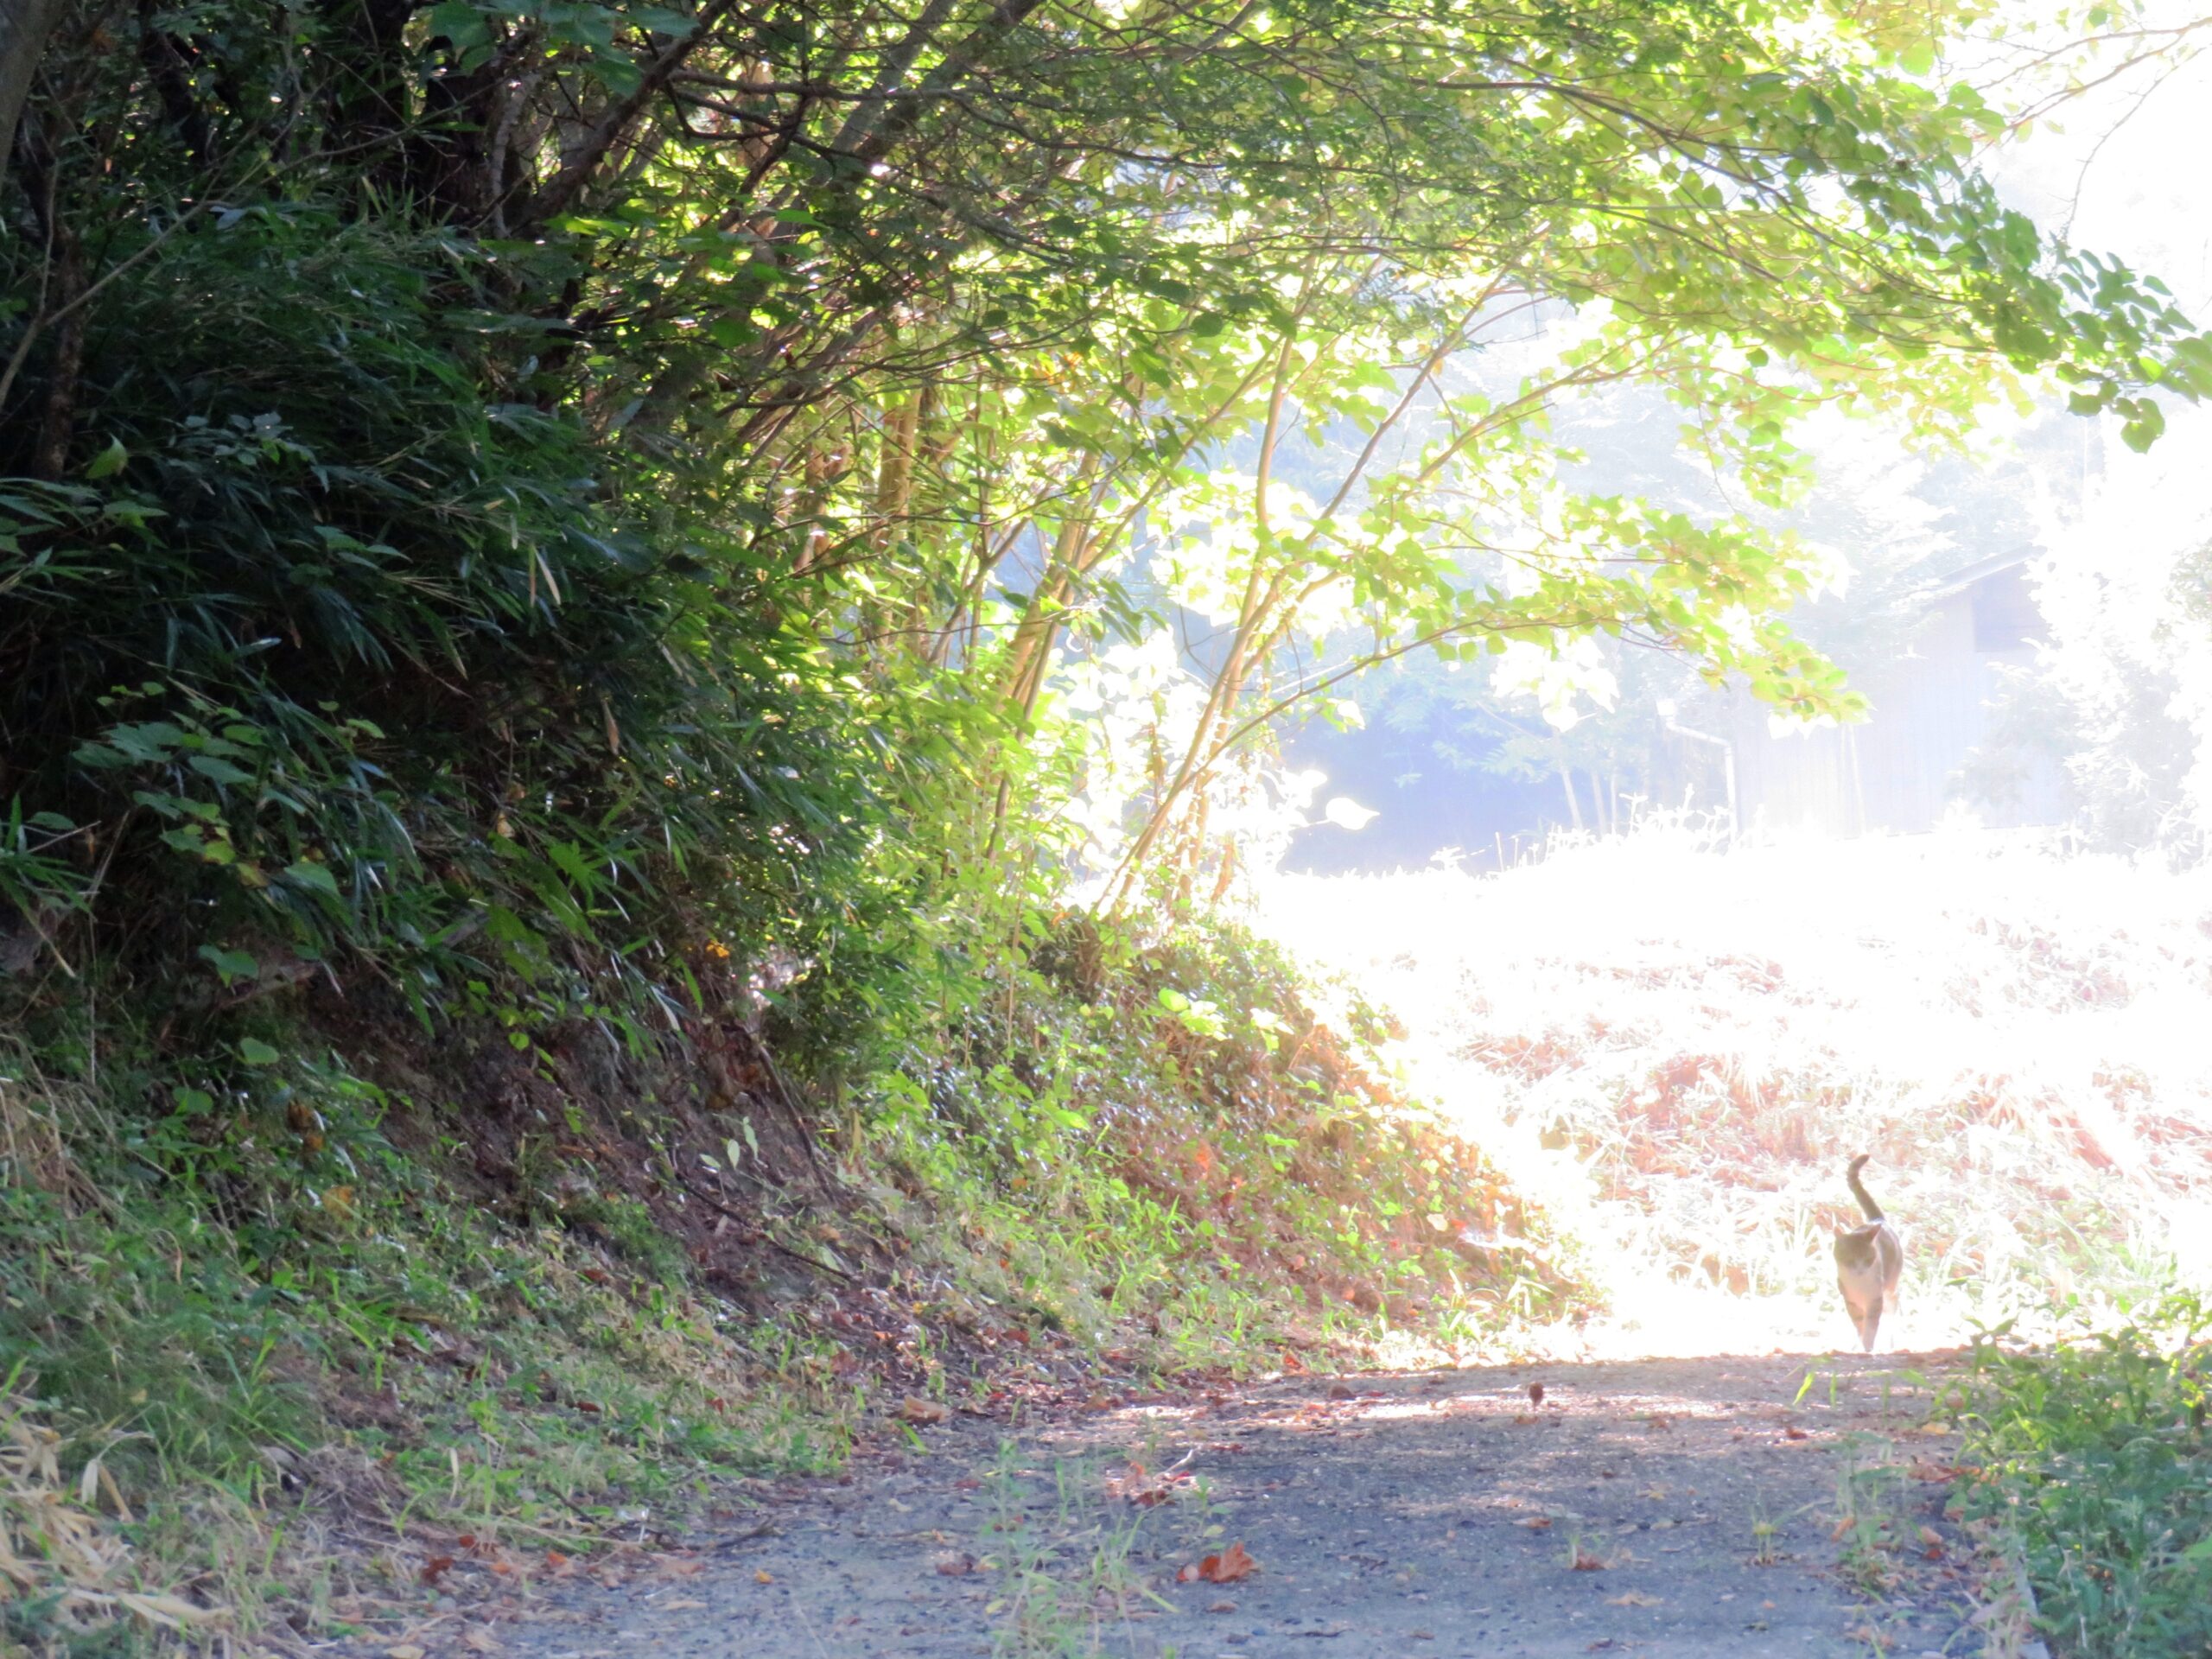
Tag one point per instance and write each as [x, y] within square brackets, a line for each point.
[1672, 1048]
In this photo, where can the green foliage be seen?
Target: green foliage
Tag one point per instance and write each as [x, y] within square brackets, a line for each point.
[2093, 1456]
[515, 499]
[1128, 1115]
[348, 656]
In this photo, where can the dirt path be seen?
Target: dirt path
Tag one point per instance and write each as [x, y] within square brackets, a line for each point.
[1664, 1508]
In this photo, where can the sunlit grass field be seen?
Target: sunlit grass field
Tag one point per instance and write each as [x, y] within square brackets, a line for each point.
[1674, 1046]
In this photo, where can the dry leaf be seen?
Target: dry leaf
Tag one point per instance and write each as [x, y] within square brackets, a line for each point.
[1535, 1522]
[1232, 1564]
[921, 1412]
[954, 1564]
[1633, 1599]
[1224, 1605]
[1584, 1561]
[1794, 1432]
[763, 1576]
[480, 1641]
[404, 1650]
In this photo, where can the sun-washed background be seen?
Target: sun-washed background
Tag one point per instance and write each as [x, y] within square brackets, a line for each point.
[1677, 1045]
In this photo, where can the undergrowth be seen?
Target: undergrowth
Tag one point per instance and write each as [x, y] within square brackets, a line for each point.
[2092, 1456]
[342, 1323]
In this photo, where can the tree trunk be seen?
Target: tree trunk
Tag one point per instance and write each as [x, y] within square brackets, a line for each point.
[24, 26]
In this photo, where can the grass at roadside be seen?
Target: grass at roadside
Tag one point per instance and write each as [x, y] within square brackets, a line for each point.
[2092, 1459]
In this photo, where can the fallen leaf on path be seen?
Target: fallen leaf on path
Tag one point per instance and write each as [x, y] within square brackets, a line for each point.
[921, 1412]
[1584, 1561]
[1232, 1564]
[1633, 1599]
[436, 1567]
[1535, 1522]
[764, 1576]
[1224, 1605]
[956, 1564]
[1794, 1432]
[480, 1641]
[404, 1650]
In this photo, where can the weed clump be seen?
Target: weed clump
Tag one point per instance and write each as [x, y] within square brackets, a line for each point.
[2093, 1459]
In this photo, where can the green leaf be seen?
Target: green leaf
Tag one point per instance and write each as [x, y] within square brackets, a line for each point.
[229, 964]
[109, 462]
[317, 876]
[254, 1051]
[465, 26]
[219, 770]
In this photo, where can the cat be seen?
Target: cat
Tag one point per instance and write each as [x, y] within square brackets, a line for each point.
[1869, 1261]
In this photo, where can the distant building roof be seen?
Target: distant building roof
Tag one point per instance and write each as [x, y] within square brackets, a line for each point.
[1980, 571]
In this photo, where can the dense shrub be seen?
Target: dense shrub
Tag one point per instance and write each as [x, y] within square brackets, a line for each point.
[338, 648]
